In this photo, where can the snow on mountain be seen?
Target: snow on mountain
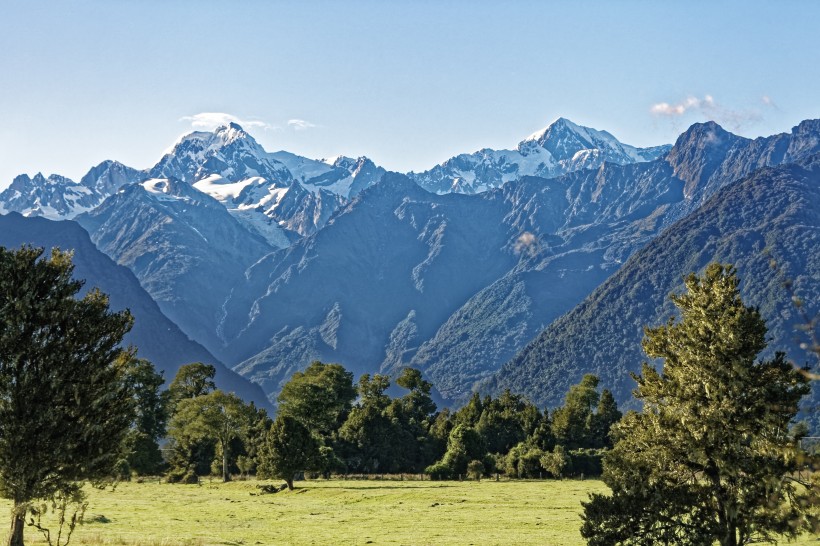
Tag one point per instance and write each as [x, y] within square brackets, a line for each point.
[283, 196]
[561, 148]
[55, 197]
[249, 201]
[60, 198]
[228, 151]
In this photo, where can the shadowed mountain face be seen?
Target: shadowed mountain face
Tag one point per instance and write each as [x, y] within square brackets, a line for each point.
[184, 247]
[157, 338]
[768, 224]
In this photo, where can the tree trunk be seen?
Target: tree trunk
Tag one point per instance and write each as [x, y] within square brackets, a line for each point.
[226, 477]
[289, 481]
[730, 538]
[18, 523]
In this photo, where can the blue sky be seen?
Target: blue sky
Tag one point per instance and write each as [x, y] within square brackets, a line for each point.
[408, 84]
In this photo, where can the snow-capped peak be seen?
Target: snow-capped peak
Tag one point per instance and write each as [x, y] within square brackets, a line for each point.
[231, 132]
[223, 136]
[336, 159]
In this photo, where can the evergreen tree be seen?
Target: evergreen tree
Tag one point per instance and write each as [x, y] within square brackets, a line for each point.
[709, 459]
[152, 408]
[571, 422]
[64, 406]
[506, 421]
[606, 415]
[371, 435]
[289, 448]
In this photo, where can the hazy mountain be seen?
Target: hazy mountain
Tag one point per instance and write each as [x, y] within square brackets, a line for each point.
[560, 148]
[767, 224]
[58, 197]
[157, 338]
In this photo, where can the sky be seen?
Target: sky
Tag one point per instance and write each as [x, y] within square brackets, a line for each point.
[408, 84]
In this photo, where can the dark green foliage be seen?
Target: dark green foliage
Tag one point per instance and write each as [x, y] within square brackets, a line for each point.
[289, 448]
[192, 380]
[586, 417]
[64, 406]
[506, 421]
[319, 397]
[463, 446]
[571, 422]
[709, 458]
[216, 417]
[585, 463]
[606, 415]
[371, 436]
[470, 413]
[152, 409]
[391, 435]
[523, 461]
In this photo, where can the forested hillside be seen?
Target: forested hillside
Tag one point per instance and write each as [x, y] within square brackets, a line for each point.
[767, 224]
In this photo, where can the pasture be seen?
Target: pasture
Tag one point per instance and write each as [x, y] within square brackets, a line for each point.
[336, 512]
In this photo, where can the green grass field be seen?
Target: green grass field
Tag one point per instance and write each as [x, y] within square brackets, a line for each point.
[337, 512]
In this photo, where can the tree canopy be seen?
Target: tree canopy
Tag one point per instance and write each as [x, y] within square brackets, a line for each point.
[709, 458]
[64, 405]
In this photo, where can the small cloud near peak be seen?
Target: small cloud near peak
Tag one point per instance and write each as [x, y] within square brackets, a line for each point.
[212, 120]
[300, 124]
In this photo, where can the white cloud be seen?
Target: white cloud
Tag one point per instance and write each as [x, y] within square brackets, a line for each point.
[768, 101]
[212, 120]
[300, 124]
[690, 103]
[709, 108]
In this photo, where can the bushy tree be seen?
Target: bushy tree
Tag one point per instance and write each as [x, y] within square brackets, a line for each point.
[217, 416]
[506, 421]
[570, 422]
[64, 405]
[709, 459]
[319, 397]
[152, 409]
[370, 435]
[289, 448]
[463, 446]
[192, 380]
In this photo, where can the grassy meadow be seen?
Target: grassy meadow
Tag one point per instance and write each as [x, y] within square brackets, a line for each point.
[337, 512]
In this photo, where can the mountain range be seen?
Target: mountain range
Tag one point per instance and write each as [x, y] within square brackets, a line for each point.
[271, 260]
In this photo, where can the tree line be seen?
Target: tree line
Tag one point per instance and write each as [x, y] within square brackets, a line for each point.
[326, 424]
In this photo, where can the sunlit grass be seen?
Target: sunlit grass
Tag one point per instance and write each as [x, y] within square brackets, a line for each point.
[337, 512]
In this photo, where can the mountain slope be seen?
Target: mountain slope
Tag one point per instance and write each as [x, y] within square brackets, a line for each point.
[157, 338]
[599, 219]
[397, 256]
[185, 248]
[772, 216]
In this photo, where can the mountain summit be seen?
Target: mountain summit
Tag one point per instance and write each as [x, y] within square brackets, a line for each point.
[560, 148]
